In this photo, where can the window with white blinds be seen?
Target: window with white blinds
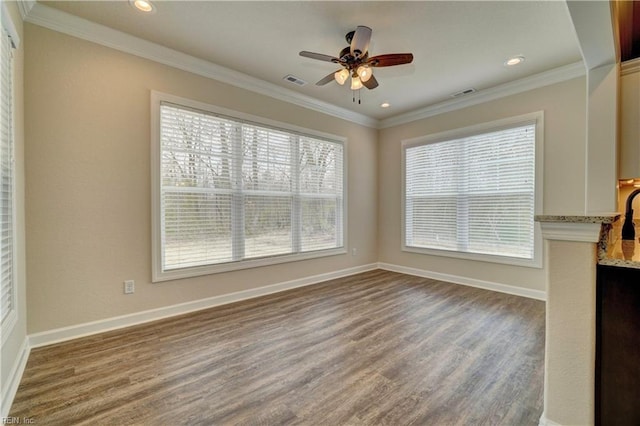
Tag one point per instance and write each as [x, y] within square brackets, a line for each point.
[473, 194]
[236, 193]
[7, 279]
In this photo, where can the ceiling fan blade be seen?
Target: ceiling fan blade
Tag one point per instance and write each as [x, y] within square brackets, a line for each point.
[390, 59]
[371, 84]
[328, 79]
[320, 57]
[360, 41]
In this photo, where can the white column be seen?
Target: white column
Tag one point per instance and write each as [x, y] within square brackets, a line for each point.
[569, 382]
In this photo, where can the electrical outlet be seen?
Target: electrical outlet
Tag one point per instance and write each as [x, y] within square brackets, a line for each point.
[354, 251]
[129, 287]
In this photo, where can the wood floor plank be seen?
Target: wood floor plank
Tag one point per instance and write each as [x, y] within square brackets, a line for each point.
[374, 348]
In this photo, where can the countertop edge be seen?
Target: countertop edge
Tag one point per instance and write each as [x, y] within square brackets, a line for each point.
[620, 263]
[609, 254]
[603, 219]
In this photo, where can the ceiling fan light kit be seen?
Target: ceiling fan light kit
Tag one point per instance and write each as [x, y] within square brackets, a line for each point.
[341, 76]
[364, 72]
[356, 84]
[356, 62]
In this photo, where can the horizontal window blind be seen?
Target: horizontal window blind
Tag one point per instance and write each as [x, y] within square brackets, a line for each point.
[233, 190]
[7, 305]
[473, 194]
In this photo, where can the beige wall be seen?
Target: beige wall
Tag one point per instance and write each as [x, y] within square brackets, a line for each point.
[88, 185]
[629, 161]
[88, 182]
[15, 340]
[564, 170]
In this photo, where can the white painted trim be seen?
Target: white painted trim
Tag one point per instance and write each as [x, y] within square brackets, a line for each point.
[536, 118]
[567, 231]
[81, 330]
[56, 20]
[9, 26]
[157, 273]
[10, 321]
[65, 23]
[630, 67]
[25, 6]
[547, 78]
[471, 282]
[546, 422]
[11, 386]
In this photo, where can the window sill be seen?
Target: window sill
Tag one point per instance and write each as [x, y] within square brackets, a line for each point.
[176, 274]
[536, 262]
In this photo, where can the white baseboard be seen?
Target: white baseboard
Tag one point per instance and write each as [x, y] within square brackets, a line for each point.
[546, 422]
[81, 330]
[90, 328]
[11, 386]
[472, 282]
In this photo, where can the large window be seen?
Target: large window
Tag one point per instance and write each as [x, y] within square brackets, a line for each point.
[234, 193]
[472, 193]
[8, 42]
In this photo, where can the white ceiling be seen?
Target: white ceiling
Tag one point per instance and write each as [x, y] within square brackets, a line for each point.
[456, 45]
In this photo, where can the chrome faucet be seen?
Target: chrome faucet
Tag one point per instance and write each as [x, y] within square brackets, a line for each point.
[628, 231]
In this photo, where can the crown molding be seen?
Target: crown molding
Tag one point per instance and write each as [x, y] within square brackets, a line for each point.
[630, 67]
[556, 75]
[25, 6]
[56, 20]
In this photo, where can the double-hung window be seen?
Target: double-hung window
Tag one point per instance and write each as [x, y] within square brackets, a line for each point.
[9, 41]
[232, 192]
[473, 193]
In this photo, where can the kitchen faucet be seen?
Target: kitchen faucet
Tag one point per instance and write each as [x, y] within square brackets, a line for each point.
[628, 231]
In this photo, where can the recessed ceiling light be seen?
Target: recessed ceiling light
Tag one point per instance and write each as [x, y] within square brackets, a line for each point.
[143, 5]
[385, 105]
[516, 60]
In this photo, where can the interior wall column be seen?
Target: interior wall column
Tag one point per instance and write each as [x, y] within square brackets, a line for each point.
[569, 382]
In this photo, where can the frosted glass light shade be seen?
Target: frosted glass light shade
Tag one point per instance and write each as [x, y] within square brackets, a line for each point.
[364, 72]
[341, 76]
[356, 83]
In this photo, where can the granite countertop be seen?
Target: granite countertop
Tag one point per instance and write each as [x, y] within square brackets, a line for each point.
[614, 251]
[578, 219]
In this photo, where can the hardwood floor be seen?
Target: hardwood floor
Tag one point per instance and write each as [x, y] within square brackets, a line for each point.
[374, 348]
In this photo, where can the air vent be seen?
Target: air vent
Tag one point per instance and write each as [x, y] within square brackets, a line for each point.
[295, 80]
[464, 92]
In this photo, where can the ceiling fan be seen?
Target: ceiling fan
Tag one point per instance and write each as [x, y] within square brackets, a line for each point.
[356, 62]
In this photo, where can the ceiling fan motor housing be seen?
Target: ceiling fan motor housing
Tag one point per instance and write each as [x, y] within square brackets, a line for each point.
[350, 60]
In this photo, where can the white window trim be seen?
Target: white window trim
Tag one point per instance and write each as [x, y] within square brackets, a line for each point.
[8, 26]
[158, 275]
[538, 118]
